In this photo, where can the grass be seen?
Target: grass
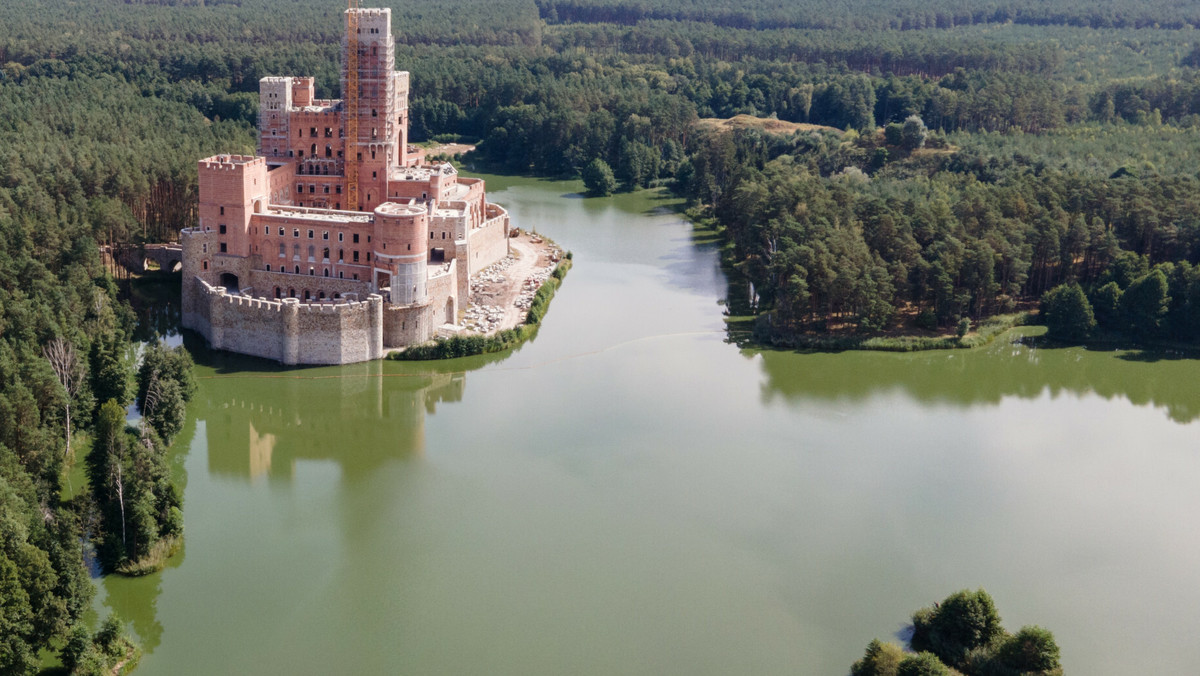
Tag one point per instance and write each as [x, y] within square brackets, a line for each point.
[986, 332]
[156, 560]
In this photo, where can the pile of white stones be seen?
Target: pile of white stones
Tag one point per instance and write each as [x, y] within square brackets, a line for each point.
[491, 274]
[531, 285]
[483, 318]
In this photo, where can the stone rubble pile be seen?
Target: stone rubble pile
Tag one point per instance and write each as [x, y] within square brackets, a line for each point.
[483, 318]
[491, 274]
[530, 286]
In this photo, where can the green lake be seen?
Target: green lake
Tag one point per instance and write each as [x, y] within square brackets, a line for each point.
[631, 493]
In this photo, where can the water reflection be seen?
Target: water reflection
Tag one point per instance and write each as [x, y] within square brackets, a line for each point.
[969, 378]
[358, 416]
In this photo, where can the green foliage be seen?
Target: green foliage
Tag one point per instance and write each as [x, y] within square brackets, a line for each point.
[922, 664]
[1144, 306]
[880, 659]
[964, 621]
[1032, 650]
[1106, 306]
[914, 133]
[963, 328]
[598, 178]
[1067, 313]
[165, 385]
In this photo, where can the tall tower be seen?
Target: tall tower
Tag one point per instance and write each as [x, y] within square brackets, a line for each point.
[371, 122]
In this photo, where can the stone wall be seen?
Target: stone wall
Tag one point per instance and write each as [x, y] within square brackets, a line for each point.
[488, 242]
[288, 331]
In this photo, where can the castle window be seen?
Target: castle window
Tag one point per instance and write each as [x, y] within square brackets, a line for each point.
[310, 234]
[312, 272]
[313, 132]
[312, 188]
[282, 232]
[355, 256]
[341, 255]
[295, 232]
[297, 272]
[373, 112]
[222, 211]
[221, 228]
[268, 267]
[355, 236]
[282, 249]
[325, 235]
[385, 246]
[300, 133]
[328, 132]
[341, 236]
[312, 250]
[368, 239]
[205, 265]
[356, 276]
[326, 272]
[341, 275]
[203, 248]
[321, 296]
[328, 151]
[292, 292]
[339, 189]
[296, 252]
[430, 234]
[299, 187]
[443, 235]
[374, 174]
[326, 189]
[277, 293]
[368, 256]
[325, 255]
[410, 247]
[291, 153]
[313, 149]
[223, 247]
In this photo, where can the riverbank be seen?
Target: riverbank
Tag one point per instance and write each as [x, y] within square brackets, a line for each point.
[749, 329]
[501, 338]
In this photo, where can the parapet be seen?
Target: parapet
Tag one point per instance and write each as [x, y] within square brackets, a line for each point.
[231, 162]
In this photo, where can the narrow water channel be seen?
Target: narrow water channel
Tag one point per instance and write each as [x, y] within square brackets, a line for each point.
[633, 494]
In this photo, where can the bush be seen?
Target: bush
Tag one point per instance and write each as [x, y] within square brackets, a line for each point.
[598, 178]
[964, 327]
[1067, 313]
[965, 620]
[926, 319]
[1033, 649]
[922, 664]
[1106, 306]
[881, 659]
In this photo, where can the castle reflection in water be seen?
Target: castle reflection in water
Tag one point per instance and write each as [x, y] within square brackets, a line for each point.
[359, 417]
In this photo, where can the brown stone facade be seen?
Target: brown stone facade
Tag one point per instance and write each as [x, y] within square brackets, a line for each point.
[281, 266]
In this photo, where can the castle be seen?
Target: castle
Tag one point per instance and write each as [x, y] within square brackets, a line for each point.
[337, 241]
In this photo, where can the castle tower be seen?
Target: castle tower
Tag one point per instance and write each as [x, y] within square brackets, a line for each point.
[376, 147]
[274, 102]
[232, 189]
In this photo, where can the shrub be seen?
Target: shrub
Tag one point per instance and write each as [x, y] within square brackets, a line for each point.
[881, 659]
[1033, 649]
[965, 620]
[1068, 313]
[926, 319]
[922, 664]
[964, 327]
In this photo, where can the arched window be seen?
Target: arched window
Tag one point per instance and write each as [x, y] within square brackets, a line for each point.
[312, 251]
[341, 255]
[321, 296]
[295, 252]
[268, 267]
[297, 269]
[326, 272]
[277, 294]
[314, 150]
[291, 293]
[282, 249]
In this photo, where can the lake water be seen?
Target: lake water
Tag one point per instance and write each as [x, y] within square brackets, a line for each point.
[633, 494]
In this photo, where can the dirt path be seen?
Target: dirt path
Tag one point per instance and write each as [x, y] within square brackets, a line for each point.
[500, 293]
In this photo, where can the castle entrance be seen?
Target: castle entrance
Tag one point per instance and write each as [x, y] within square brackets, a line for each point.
[230, 282]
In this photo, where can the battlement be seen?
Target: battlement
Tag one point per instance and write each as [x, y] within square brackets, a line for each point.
[231, 162]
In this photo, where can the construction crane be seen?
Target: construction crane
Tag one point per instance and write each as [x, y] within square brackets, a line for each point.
[351, 105]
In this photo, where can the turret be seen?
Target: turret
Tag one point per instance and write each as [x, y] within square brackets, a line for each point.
[232, 188]
[401, 250]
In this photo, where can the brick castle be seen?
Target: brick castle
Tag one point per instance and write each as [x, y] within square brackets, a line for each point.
[337, 241]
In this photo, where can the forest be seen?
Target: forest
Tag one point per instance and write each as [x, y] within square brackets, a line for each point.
[947, 163]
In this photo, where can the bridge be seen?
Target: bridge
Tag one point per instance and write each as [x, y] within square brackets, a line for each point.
[138, 259]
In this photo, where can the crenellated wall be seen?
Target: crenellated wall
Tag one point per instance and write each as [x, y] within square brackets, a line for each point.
[287, 330]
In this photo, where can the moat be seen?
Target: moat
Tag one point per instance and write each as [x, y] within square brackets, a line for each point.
[632, 493]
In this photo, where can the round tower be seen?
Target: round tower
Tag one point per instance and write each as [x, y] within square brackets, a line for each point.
[401, 251]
